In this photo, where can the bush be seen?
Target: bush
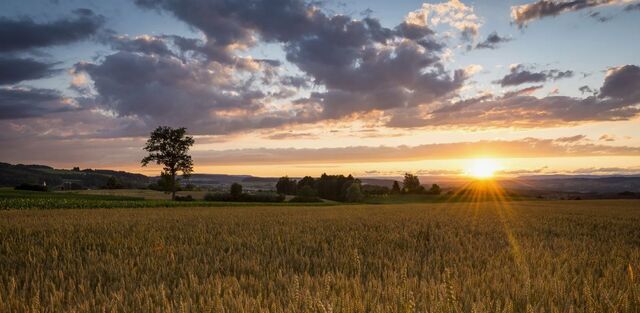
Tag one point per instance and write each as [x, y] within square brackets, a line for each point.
[218, 197]
[244, 197]
[375, 190]
[184, 198]
[31, 187]
[305, 199]
[263, 197]
[113, 183]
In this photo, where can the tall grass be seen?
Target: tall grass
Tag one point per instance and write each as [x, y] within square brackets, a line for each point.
[580, 256]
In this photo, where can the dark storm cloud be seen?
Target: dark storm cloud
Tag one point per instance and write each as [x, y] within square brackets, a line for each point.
[24, 34]
[14, 70]
[618, 100]
[525, 13]
[520, 75]
[492, 41]
[18, 103]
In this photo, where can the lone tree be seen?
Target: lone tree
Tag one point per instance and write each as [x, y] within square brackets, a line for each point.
[168, 147]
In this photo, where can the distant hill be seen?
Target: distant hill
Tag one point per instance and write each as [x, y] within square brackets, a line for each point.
[547, 183]
[13, 175]
[597, 184]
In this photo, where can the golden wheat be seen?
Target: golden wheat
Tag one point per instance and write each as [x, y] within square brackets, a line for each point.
[571, 256]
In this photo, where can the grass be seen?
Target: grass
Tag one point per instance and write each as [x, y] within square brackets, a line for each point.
[545, 256]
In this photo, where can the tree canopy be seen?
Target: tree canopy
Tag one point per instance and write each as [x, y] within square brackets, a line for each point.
[411, 184]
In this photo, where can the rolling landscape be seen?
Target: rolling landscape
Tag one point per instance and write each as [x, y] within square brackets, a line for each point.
[359, 156]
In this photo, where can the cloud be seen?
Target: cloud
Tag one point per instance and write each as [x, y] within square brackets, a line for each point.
[607, 137]
[165, 90]
[622, 83]
[599, 17]
[523, 14]
[24, 34]
[493, 41]
[144, 44]
[522, 92]
[14, 70]
[575, 138]
[523, 148]
[540, 170]
[585, 89]
[356, 67]
[519, 75]
[632, 7]
[452, 13]
[291, 135]
[618, 99]
[607, 171]
[17, 103]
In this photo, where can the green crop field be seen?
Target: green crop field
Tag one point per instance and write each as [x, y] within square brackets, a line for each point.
[93, 199]
[544, 256]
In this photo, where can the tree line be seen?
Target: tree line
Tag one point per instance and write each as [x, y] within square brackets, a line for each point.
[331, 187]
[349, 189]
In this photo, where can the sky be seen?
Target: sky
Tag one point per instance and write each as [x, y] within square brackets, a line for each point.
[292, 87]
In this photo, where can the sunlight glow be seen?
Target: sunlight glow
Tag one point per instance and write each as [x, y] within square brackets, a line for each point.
[483, 168]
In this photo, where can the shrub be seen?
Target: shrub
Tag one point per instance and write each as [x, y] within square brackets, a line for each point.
[300, 199]
[31, 187]
[184, 198]
[375, 190]
[218, 197]
[244, 197]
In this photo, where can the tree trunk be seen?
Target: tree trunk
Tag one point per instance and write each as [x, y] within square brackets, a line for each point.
[173, 185]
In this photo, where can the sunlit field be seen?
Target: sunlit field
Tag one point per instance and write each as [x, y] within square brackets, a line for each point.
[485, 256]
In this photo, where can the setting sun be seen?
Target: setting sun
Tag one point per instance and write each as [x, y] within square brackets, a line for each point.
[483, 168]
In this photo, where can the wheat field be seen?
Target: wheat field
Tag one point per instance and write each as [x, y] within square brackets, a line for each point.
[565, 256]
